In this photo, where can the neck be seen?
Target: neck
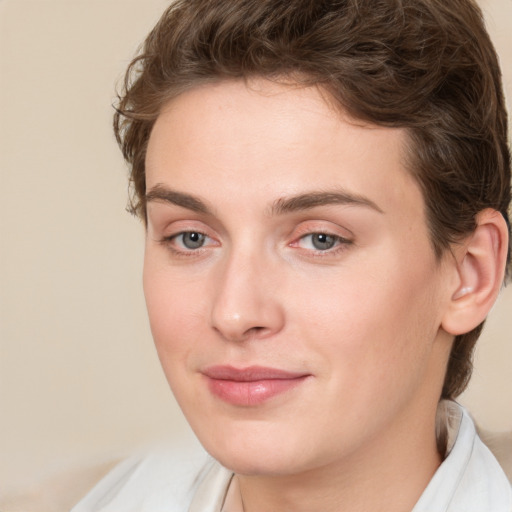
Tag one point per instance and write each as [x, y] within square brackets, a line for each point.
[384, 475]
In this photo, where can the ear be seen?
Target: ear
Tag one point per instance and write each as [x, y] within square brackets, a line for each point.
[480, 264]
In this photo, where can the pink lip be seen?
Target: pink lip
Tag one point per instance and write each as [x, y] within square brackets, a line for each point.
[252, 385]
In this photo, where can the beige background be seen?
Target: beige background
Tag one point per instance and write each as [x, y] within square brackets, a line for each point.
[79, 379]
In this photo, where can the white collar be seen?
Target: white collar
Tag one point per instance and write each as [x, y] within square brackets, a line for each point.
[470, 478]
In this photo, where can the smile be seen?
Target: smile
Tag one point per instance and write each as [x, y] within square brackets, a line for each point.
[250, 386]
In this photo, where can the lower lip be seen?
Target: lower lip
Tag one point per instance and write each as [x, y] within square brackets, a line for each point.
[253, 392]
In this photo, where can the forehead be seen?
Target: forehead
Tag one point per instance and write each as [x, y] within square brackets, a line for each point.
[235, 140]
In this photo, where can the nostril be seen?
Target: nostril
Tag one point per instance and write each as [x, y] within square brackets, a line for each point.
[255, 332]
[256, 329]
[238, 315]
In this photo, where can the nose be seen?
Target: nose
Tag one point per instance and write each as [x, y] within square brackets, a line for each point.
[246, 304]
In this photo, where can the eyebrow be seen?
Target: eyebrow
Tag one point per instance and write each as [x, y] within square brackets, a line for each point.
[311, 200]
[161, 193]
[281, 206]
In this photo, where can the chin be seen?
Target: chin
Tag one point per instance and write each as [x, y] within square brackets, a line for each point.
[258, 451]
[258, 464]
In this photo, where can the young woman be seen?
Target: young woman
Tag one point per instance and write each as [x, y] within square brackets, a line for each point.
[325, 188]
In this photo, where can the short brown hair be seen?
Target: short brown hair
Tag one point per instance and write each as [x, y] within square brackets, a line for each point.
[424, 65]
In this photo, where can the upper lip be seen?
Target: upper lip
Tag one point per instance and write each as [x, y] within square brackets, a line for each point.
[250, 373]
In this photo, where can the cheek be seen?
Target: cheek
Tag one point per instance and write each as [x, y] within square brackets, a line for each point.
[375, 326]
[175, 311]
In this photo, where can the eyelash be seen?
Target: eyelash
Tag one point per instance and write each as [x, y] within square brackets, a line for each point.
[340, 244]
[168, 242]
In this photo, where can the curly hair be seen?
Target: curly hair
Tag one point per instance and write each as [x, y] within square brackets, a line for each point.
[424, 65]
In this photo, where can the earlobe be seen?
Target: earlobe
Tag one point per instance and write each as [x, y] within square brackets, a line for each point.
[480, 264]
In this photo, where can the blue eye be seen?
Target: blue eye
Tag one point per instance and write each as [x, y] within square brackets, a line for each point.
[189, 243]
[320, 241]
[191, 240]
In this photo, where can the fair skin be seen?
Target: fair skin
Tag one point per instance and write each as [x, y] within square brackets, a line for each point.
[284, 235]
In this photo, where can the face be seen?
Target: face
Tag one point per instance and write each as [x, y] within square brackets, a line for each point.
[292, 290]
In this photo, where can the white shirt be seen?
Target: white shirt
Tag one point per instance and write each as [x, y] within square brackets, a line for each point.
[469, 479]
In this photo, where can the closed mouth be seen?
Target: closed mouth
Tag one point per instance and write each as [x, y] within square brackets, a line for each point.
[250, 386]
